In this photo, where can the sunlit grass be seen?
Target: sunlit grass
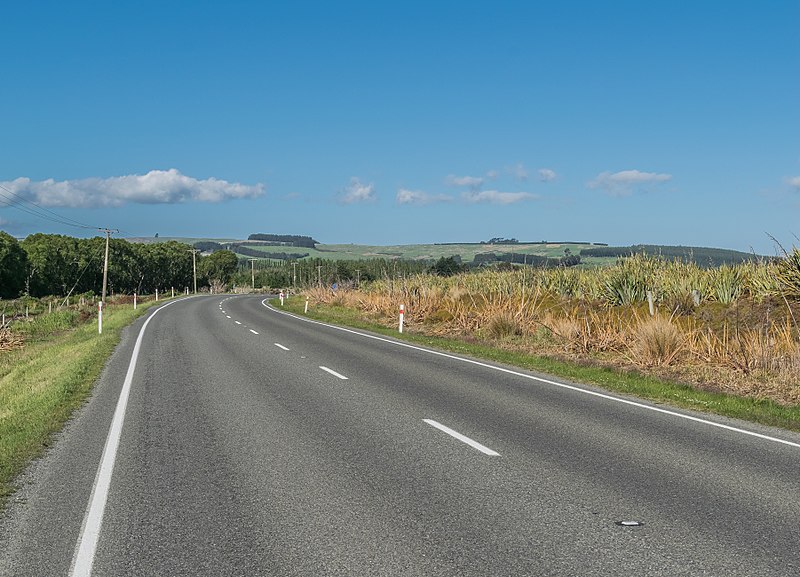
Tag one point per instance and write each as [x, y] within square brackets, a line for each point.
[42, 383]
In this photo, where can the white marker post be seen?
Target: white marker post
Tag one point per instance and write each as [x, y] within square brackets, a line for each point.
[306, 311]
[100, 318]
[134, 301]
[156, 294]
[402, 316]
[282, 296]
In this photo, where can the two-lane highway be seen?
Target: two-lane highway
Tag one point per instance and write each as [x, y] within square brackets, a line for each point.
[257, 443]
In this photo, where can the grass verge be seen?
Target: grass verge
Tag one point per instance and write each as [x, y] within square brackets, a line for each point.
[653, 389]
[43, 383]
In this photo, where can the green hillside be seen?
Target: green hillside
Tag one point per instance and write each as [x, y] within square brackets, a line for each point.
[591, 255]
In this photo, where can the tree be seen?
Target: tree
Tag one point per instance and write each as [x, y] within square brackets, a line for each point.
[447, 266]
[13, 266]
[219, 267]
[163, 265]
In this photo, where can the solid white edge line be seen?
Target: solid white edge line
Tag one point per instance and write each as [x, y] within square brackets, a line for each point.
[254, 332]
[334, 373]
[83, 556]
[464, 439]
[546, 381]
[280, 346]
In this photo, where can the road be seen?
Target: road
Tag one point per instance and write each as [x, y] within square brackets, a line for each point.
[256, 443]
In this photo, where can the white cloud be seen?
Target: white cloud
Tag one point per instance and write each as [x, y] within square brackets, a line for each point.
[473, 182]
[547, 175]
[155, 187]
[497, 197]
[356, 191]
[520, 172]
[622, 183]
[407, 196]
[492, 174]
[794, 182]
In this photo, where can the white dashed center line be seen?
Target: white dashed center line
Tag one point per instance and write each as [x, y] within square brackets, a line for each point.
[462, 438]
[280, 346]
[254, 332]
[237, 322]
[334, 373]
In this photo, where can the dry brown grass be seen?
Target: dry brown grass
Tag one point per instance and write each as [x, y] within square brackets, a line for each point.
[10, 341]
[656, 342]
[751, 347]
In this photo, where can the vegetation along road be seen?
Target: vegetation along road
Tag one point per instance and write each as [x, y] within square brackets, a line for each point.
[258, 443]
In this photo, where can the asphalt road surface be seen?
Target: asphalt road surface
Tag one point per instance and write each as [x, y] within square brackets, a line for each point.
[256, 443]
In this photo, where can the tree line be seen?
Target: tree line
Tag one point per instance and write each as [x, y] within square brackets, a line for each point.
[701, 256]
[288, 239]
[51, 264]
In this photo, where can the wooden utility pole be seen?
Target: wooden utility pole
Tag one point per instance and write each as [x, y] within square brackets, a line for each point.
[194, 252]
[253, 271]
[105, 264]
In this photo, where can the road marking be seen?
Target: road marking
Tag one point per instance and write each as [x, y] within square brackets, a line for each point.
[229, 316]
[546, 381]
[83, 557]
[464, 439]
[254, 332]
[334, 373]
[280, 346]
[237, 322]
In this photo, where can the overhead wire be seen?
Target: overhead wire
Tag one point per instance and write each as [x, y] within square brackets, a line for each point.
[28, 206]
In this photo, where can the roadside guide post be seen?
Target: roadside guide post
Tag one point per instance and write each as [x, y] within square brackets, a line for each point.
[282, 296]
[402, 316]
[100, 317]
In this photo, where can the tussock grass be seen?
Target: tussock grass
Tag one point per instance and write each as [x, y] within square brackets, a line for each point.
[656, 342]
[732, 329]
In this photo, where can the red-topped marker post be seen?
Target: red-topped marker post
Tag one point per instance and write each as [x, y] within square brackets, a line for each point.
[402, 316]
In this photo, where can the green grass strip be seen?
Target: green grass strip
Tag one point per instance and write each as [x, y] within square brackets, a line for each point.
[43, 383]
[631, 383]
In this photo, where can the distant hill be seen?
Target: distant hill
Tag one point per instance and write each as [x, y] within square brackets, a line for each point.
[701, 256]
[476, 253]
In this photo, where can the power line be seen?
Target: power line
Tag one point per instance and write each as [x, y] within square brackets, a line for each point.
[21, 203]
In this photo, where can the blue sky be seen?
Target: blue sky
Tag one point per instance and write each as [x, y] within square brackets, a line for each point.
[398, 123]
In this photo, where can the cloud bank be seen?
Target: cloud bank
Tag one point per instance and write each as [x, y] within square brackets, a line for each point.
[155, 187]
[624, 182]
[547, 175]
[794, 182]
[497, 197]
[407, 196]
[356, 191]
[472, 182]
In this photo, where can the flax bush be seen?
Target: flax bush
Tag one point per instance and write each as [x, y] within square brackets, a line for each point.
[788, 274]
